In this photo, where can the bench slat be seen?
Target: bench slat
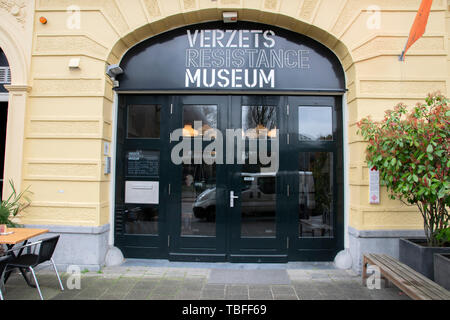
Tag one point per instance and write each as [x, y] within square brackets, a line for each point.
[416, 279]
[427, 283]
[411, 282]
[408, 288]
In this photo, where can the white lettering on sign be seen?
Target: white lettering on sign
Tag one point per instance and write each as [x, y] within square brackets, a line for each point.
[232, 78]
[237, 59]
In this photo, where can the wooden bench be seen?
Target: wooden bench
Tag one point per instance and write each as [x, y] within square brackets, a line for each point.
[412, 283]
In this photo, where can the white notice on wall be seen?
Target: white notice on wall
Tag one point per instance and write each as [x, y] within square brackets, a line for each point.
[142, 192]
[374, 186]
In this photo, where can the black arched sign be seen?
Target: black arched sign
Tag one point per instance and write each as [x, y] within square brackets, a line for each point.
[220, 57]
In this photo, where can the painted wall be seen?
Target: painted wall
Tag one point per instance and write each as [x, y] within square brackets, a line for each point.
[69, 113]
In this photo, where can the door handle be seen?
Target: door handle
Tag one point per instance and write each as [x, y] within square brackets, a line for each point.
[232, 197]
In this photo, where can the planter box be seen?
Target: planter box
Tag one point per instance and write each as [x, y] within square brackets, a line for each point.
[442, 270]
[415, 254]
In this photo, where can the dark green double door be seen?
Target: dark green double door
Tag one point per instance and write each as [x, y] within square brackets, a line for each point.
[237, 178]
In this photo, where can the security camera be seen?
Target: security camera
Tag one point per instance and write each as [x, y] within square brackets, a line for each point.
[113, 71]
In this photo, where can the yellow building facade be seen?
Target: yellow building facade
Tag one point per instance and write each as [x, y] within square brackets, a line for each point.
[63, 112]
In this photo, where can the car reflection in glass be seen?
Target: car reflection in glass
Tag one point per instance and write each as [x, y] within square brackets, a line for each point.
[258, 196]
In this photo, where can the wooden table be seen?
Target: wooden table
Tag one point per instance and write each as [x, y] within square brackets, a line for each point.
[19, 235]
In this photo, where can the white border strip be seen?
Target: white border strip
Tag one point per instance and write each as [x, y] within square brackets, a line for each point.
[112, 189]
[346, 169]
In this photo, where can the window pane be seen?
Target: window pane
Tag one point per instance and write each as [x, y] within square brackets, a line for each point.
[198, 200]
[141, 219]
[315, 123]
[258, 194]
[259, 121]
[144, 121]
[315, 209]
[205, 115]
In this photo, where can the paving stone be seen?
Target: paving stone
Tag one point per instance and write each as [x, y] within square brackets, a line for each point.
[184, 294]
[308, 294]
[162, 297]
[165, 290]
[101, 283]
[66, 295]
[193, 284]
[194, 273]
[146, 284]
[212, 294]
[333, 295]
[175, 274]
[113, 296]
[237, 297]
[259, 287]
[236, 290]
[283, 290]
[138, 294]
[256, 294]
[90, 293]
[215, 287]
[310, 281]
[298, 274]
[285, 297]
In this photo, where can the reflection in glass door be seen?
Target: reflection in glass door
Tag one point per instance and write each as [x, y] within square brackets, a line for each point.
[198, 214]
[140, 176]
[256, 204]
[245, 178]
[315, 231]
[315, 194]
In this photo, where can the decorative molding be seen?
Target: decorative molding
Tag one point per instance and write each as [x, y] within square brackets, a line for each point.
[17, 88]
[17, 8]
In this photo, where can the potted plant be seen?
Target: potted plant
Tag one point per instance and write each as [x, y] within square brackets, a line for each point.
[442, 262]
[411, 151]
[12, 206]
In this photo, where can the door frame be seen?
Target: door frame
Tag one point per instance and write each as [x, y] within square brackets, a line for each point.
[140, 245]
[197, 248]
[257, 249]
[310, 248]
[303, 254]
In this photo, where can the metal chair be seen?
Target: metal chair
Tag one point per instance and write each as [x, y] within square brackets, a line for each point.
[3, 262]
[31, 260]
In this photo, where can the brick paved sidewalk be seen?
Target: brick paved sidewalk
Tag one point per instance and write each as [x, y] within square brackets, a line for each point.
[178, 283]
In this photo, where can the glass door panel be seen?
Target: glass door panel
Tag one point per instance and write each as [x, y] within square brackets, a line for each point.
[316, 230]
[141, 176]
[315, 195]
[256, 188]
[198, 214]
[198, 200]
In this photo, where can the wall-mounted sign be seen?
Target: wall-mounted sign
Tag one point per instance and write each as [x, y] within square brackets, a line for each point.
[142, 163]
[142, 192]
[245, 56]
[374, 186]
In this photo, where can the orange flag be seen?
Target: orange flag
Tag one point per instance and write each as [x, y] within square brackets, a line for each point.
[418, 28]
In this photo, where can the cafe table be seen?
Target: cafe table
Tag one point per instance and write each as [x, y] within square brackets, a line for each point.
[15, 236]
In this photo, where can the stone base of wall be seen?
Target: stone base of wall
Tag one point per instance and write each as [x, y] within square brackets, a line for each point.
[376, 241]
[85, 247]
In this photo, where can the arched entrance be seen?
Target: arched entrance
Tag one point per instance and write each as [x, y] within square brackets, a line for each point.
[229, 146]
